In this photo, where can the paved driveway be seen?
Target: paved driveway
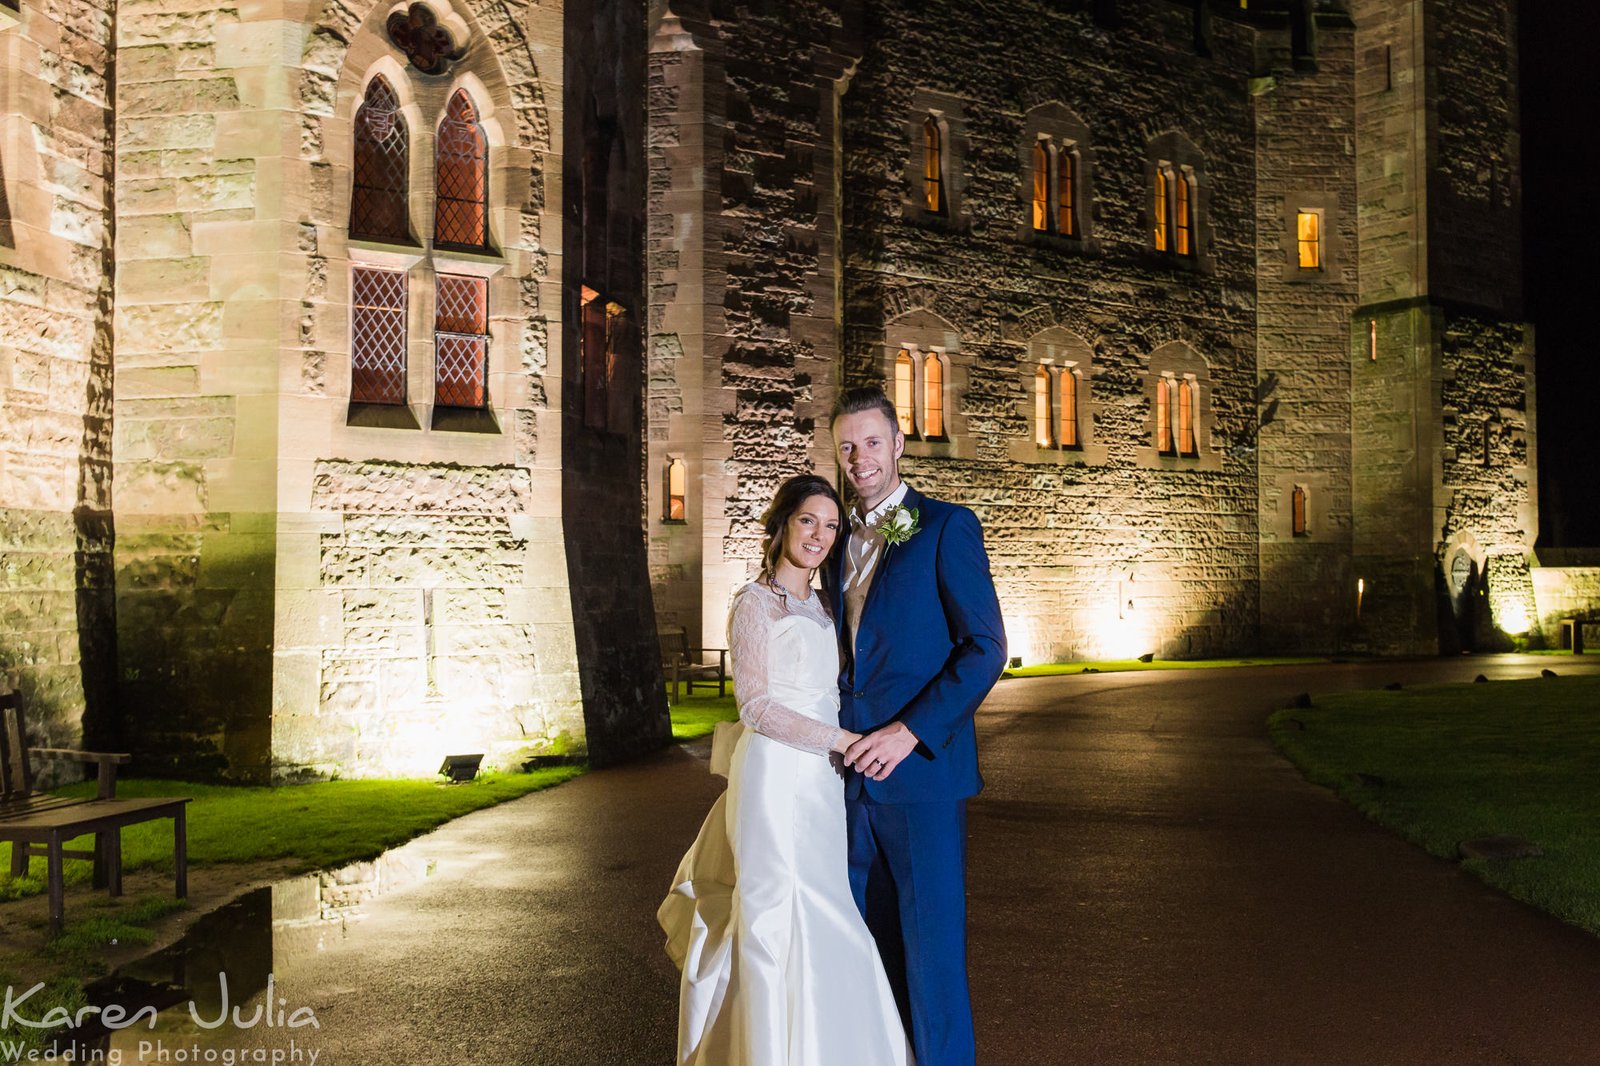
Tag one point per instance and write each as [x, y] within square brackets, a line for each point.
[1149, 883]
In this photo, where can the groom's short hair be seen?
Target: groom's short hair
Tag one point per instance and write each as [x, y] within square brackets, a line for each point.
[864, 398]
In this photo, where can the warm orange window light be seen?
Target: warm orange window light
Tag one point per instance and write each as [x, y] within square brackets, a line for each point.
[933, 394]
[1067, 387]
[1159, 210]
[382, 160]
[1309, 227]
[1164, 416]
[677, 489]
[1066, 205]
[1182, 182]
[1043, 433]
[461, 175]
[1186, 440]
[1041, 186]
[905, 392]
[1299, 510]
[932, 165]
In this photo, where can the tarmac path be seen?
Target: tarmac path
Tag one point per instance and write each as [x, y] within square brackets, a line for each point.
[1149, 882]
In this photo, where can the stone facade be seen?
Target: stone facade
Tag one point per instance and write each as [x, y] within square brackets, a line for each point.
[791, 255]
[302, 585]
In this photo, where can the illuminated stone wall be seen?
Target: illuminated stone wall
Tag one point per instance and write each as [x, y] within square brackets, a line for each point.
[1112, 550]
[56, 642]
[1305, 123]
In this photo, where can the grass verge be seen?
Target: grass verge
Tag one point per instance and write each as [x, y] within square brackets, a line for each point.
[313, 826]
[1114, 666]
[1444, 764]
[694, 717]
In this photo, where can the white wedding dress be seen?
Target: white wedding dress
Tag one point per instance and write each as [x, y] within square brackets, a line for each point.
[778, 966]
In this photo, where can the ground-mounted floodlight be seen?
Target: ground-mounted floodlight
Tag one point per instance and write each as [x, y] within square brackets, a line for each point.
[461, 768]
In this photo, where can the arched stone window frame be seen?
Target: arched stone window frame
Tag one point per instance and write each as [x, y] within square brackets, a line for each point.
[1062, 132]
[949, 113]
[1326, 207]
[1277, 506]
[926, 336]
[1178, 363]
[1174, 156]
[423, 102]
[1057, 350]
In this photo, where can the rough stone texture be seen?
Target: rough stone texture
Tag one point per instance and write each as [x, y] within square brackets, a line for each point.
[1306, 162]
[1567, 585]
[1124, 552]
[56, 639]
[425, 635]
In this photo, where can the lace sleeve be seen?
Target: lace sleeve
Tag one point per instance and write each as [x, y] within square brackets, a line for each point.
[750, 642]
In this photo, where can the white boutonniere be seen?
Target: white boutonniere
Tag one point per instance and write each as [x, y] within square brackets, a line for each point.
[899, 524]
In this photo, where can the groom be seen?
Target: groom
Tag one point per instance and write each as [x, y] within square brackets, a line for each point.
[923, 644]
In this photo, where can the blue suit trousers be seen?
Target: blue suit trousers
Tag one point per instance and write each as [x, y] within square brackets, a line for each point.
[908, 872]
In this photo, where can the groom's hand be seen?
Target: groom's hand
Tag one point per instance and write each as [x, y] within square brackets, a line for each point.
[880, 751]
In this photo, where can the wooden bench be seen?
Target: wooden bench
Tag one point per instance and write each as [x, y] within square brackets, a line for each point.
[38, 823]
[681, 663]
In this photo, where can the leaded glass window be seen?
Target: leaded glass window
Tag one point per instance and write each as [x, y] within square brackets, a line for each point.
[1183, 188]
[1159, 210]
[461, 341]
[1066, 193]
[1044, 429]
[1187, 444]
[933, 395]
[378, 195]
[1041, 186]
[932, 166]
[904, 392]
[461, 203]
[1164, 416]
[377, 336]
[1067, 390]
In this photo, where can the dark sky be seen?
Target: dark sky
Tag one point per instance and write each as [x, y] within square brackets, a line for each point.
[1561, 275]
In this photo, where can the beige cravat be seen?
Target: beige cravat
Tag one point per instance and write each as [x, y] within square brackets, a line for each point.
[862, 553]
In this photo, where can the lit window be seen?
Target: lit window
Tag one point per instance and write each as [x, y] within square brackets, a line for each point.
[461, 209]
[1041, 186]
[1066, 202]
[1044, 430]
[1182, 182]
[933, 395]
[1067, 391]
[377, 336]
[1308, 225]
[461, 341]
[1164, 416]
[932, 166]
[677, 489]
[1159, 209]
[378, 193]
[1187, 445]
[1298, 510]
[905, 392]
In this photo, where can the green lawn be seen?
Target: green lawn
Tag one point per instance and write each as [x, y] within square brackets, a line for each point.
[1450, 763]
[1113, 666]
[328, 823]
[696, 716]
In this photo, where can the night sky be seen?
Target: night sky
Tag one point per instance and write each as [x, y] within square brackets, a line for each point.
[1561, 219]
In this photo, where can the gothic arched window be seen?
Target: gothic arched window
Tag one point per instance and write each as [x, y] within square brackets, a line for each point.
[378, 196]
[1067, 406]
[932, 166]
[461, 176]
[905, 392]
[1164, 416]
[1159, 210]
[1183, 183]
[1041, 187]
[933, 396]
[1044, 428]
[1066, 195]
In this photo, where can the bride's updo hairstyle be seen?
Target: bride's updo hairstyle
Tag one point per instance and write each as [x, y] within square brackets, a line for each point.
[785, 502]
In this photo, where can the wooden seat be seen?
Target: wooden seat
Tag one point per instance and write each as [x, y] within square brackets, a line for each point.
[40, 824]
[686, 665]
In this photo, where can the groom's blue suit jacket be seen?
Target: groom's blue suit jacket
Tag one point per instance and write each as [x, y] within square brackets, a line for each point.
[930, 646]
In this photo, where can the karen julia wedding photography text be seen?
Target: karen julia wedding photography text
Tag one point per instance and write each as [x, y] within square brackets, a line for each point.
[272, 1011]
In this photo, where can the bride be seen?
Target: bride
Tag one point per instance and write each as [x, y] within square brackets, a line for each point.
[778, 966]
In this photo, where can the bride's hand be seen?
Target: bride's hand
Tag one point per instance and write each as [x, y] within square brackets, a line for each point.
[846, 738]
